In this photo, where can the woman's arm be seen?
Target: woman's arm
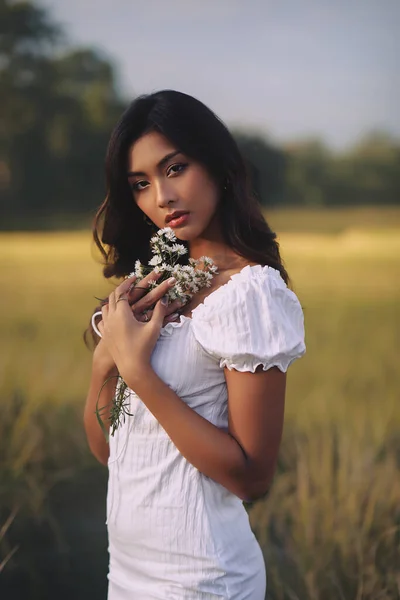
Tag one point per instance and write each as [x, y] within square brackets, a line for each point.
[242, 460]
[103, 368]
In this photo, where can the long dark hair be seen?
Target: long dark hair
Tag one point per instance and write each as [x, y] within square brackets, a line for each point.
[119, 229]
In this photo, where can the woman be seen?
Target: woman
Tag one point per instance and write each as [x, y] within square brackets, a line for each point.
[208, 387]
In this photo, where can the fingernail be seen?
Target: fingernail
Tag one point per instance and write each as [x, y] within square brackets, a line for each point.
[173, 316]
[164, 300]
[171, 280]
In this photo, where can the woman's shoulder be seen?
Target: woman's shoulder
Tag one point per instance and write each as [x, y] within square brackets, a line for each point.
[253, 319]
[240, 289]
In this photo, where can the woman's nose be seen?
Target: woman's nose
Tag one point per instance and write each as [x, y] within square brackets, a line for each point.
[164, 193]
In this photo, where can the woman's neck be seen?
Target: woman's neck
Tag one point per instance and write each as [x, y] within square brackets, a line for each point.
[211, 244]
[223, 256]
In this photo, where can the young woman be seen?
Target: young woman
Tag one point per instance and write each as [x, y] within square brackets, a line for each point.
[207, 386]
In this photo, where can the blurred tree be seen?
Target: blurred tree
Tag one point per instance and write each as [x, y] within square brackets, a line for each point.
[57, 114]
[307, 172]
[25, 37]
[368, 173]
[266, 165]
[373, 170]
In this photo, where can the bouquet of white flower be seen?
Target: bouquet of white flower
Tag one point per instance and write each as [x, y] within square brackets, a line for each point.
[189, 280]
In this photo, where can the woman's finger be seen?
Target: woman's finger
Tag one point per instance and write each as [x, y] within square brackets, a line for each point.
[171, 318]
[152, 297]
[159, 314]
[104, 316]
[139, 289]
[176, 305]
[123, 287]
[112, 301]
[143, 317]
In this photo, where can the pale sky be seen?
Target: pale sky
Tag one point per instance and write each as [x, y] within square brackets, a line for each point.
[286, 68]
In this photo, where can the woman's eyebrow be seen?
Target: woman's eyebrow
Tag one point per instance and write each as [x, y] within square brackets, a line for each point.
[160, 163]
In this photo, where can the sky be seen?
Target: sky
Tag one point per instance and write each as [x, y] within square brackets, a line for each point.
[287, 69]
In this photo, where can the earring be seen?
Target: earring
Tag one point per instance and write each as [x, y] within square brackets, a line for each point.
[148, 221]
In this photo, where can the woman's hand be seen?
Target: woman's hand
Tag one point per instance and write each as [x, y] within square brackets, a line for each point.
[142, 304]
[129, 341]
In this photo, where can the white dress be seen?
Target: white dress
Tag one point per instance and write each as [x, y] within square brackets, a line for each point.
[174, 532]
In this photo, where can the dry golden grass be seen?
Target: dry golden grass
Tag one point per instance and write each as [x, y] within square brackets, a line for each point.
[330, 526]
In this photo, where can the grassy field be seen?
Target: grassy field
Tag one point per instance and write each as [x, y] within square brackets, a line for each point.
[330, 527]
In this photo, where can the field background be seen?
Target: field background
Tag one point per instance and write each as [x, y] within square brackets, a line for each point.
[330, 527]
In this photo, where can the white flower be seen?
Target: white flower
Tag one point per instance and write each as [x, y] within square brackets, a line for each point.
[163, 245]
[179, 249]
[193, 287]
[166, 267]
[166, 252]
[184, 275]
[178, 288]
[171, 295]
[176, 271]
[138, 270]
[156, 260]
[168, 233]
[189, 269]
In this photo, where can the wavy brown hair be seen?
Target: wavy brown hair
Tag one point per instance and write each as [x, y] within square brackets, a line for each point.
[119, 229]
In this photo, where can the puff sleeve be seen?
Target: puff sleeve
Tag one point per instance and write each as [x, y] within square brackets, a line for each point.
[254, 319]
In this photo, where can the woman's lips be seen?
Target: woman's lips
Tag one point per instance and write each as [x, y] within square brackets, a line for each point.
[181, 220]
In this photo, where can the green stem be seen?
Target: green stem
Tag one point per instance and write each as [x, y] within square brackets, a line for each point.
[118, 410]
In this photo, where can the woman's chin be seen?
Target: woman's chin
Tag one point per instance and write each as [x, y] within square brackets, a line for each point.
[183, 237]
[185, 234]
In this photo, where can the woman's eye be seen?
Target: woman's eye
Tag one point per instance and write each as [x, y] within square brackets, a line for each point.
[177, 168]
[139, 186]
[136, 186]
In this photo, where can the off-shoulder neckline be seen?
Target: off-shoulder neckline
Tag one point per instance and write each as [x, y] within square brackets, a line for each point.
[246, 269]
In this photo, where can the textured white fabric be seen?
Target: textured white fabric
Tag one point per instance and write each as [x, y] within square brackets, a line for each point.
[173, 532]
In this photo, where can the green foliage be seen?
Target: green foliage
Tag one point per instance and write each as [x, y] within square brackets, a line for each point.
[307, 173]
[366, 174]
[266, 165]
[57, 114]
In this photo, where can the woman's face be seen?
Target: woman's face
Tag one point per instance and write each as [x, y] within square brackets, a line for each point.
[164, 180]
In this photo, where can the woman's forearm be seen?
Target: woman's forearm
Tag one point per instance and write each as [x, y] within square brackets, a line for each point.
[211, 450]
[94, 433]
